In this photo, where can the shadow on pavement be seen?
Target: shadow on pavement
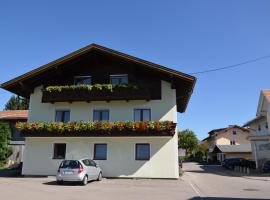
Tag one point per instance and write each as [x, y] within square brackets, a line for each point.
[222, 198]
[54, 183]
[219, 170]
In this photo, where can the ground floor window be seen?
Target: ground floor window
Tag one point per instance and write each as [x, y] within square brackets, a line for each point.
[100, 152]
[59, 151]
[142, 151]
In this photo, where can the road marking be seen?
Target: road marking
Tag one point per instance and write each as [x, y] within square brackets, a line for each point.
[194, 188]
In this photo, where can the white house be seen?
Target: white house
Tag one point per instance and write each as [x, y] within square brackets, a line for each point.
[259, 132]
[101, 104]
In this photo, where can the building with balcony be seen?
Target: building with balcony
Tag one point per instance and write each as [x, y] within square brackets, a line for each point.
[98, 103]
[259, 132]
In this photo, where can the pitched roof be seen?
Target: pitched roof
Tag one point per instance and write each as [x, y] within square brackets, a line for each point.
[266, 93]
[227, 128]
[13, 114]
[185, 83]
[253, 121]
[241, 148]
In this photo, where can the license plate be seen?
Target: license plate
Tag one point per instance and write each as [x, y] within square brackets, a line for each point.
[68, 172]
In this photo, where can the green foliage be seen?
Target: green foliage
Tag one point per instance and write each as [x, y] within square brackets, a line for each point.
[5, 150]
[104, 87]
[17, 103]
[200, 154]
[188, 140]
[84, 127]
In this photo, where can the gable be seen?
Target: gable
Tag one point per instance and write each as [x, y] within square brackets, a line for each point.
[106, 60]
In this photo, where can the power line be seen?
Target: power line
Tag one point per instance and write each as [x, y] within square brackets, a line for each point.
[232, 66]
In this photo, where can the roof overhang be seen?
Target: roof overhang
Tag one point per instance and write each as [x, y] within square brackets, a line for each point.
[18, 85]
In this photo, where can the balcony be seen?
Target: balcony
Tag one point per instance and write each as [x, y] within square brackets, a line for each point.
[100, 92]
[96, 129]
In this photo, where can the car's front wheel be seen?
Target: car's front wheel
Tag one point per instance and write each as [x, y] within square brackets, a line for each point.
[99, 177]
[84, 181]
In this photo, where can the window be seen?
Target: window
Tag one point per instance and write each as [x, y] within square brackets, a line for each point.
[266, 125]
[119, 79]
[101, 115]
[82, 80]
[234, 132]
[59, 151]
[259, 127]
[100, 152]
[142, 151]
[62, 116]
[232, 142]
[142, 114]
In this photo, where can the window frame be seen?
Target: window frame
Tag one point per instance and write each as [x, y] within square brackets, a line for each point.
[54, 151]
[136, 155]
[61, 110]
[141, 114]
[100, 116]
[95, 149]
[118, 75]
[82, 77]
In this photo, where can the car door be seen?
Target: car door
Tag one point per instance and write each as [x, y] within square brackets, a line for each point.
[94, 168]
[89, 172]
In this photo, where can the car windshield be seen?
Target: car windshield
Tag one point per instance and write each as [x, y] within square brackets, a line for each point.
[71, 164]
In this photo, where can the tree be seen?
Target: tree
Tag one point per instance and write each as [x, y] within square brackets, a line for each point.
[188, 140]
[17, 103]
[5, 150]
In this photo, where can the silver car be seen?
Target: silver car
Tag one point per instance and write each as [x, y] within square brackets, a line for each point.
[82, 171]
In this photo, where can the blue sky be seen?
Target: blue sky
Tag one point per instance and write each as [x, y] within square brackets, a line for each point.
[188, 36]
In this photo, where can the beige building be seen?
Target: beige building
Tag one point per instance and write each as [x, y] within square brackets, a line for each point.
[259, 132]
[221, 143]
[101, 104]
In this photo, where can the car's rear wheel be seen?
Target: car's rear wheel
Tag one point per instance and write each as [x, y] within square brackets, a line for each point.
[99, 177]
[84, 181]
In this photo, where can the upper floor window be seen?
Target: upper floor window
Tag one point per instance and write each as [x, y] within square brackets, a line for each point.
[119, 79]
[82, 80]
[142, 114]
[101, 115]
[232, 142]
[234, 132]
[62, 116]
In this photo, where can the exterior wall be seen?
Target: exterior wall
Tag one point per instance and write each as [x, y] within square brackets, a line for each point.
[121, 150]
[164, 109]
[120, 156]
[224, 137]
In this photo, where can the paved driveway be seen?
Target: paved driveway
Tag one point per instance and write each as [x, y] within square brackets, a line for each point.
[119, 189]
[214, 182]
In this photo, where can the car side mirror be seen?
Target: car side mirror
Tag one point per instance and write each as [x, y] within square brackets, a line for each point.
[97, 165]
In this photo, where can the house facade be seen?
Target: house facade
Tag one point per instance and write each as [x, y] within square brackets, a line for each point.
[16, 141]
[259, 132]
[101, 104]
[221, 143]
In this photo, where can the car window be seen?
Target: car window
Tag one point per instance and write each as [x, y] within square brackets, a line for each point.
[71, 164]
[86, 162]
[92, 163]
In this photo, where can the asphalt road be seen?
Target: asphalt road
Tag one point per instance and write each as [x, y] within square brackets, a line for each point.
[214, 182]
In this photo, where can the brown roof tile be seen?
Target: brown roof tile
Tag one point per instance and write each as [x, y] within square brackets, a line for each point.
[14, 114]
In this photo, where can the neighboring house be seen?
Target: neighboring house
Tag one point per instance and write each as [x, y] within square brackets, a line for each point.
[259, 132]
[228, 137]
[126, 124]
[17, 141]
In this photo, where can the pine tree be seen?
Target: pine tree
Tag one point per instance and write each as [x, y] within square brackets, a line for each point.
[5, 150]
[17, 103]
